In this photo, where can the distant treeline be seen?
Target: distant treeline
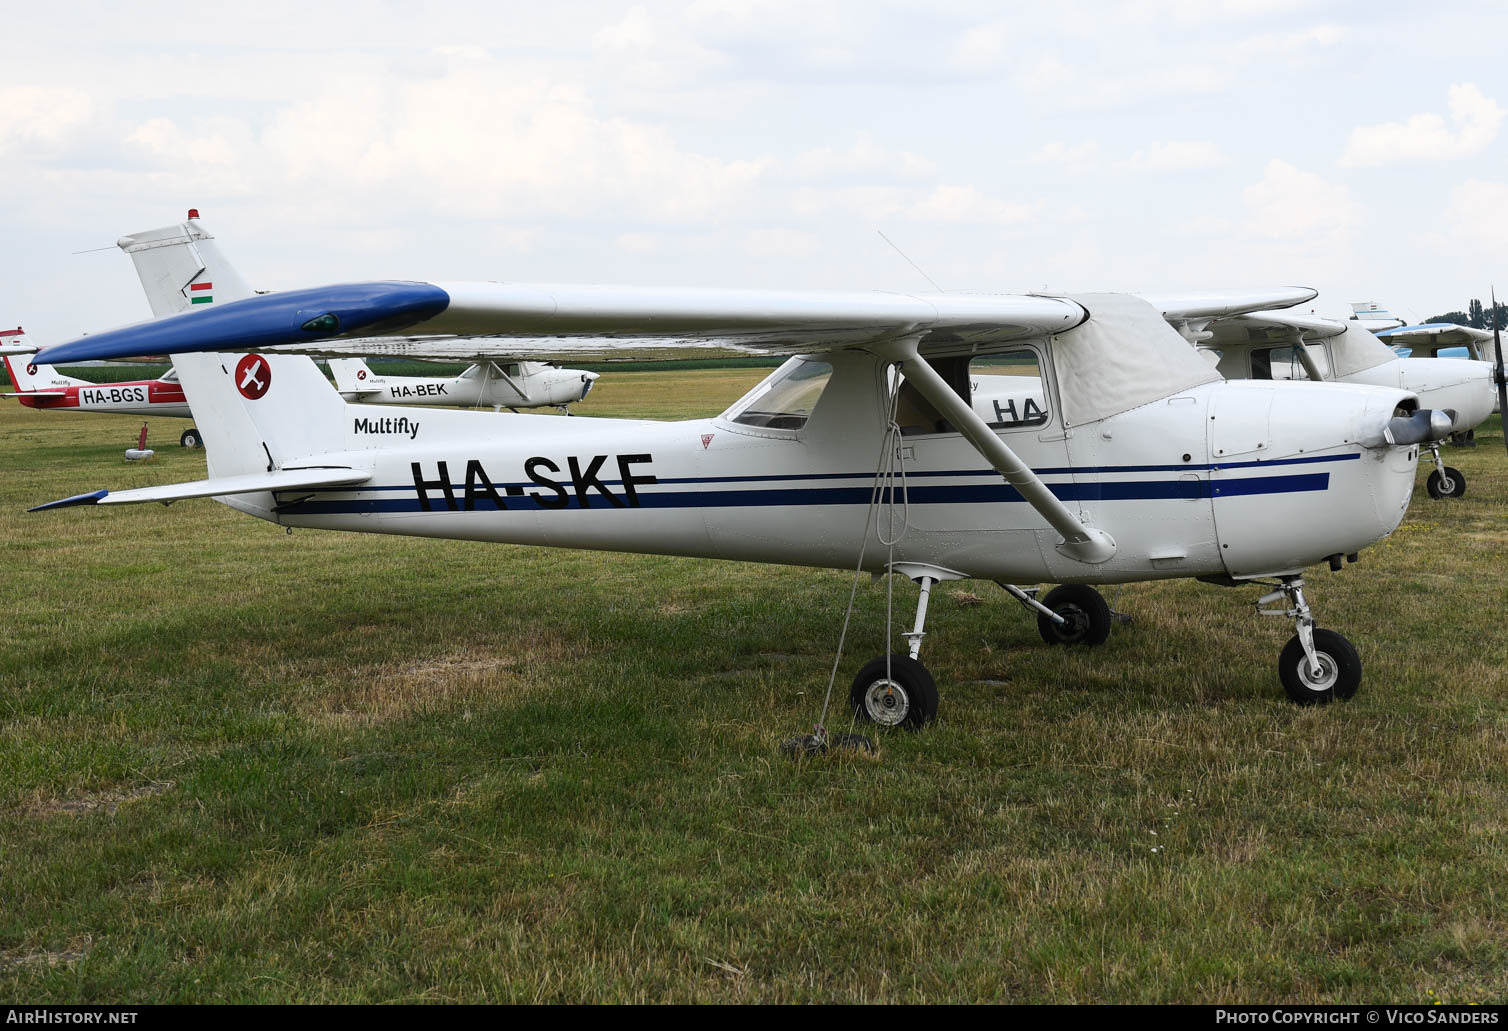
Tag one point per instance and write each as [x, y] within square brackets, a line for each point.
[1475, 316]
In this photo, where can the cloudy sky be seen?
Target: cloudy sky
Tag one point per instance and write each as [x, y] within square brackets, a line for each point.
[1357, 147]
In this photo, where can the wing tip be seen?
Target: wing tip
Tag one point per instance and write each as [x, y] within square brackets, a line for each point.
[92, 498]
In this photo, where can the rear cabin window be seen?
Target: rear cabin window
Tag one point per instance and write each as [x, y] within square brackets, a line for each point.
[786, 400]
[1004, 389]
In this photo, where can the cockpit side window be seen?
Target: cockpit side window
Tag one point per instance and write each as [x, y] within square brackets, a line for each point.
[786, 400]
[1284, 362]
[1008, 389]
[1005, 389]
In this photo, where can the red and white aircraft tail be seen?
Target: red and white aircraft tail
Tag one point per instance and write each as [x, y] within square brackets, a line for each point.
[26, 376]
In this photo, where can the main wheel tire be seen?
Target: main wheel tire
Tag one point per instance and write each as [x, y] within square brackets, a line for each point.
[1452, 486]
[907, 697]
[191, 438]
[1086, 615]
[1340, 669]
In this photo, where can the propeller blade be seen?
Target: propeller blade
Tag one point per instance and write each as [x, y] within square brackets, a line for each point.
[1497, 361]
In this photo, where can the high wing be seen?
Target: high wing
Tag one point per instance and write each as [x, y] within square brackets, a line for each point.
[282, 479]
[1445, 334]
[1271, 327]
[1219, 304]
[545, 322]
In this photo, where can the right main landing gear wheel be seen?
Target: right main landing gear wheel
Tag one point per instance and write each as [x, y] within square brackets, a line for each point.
[1451, 485]
[1086, 616]
[1339, 672]
[191, 438]
[906, 697]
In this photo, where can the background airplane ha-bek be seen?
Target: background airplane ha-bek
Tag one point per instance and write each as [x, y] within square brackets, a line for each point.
[894, 441]
[182, 270]
[483, 385]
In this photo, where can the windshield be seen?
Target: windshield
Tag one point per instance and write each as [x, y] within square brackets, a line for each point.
[785, 400]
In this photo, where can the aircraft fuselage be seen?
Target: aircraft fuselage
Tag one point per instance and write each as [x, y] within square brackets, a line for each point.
[1214, 481]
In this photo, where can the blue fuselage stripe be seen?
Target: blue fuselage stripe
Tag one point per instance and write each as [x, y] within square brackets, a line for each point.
[989, 493]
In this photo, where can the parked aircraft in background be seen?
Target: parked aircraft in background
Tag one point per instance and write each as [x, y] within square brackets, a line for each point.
[871, 449]
[1280, 345]
[45, 388]
[484, 385]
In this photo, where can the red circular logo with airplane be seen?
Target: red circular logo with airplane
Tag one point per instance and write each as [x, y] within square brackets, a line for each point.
[31, 369]
[361, 374]
[253, 376]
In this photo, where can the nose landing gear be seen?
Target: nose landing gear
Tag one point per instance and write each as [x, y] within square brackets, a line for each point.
[1444, 482]
[1316, 666]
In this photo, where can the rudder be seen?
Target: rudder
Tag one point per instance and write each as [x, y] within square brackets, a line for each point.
[181, 267]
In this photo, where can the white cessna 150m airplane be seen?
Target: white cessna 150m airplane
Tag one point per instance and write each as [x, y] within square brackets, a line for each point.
[1281, 345]
[1020, 439]
[484, 385]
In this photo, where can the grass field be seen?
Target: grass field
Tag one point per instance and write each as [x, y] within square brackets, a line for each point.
[241, 765]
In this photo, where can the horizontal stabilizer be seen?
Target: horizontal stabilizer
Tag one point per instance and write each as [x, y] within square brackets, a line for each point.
[36, 393]
[280, 480]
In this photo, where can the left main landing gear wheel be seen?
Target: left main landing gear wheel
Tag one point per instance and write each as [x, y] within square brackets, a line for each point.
[1451, 485]
[1086, 616]
[1338, 676]
[894, 691]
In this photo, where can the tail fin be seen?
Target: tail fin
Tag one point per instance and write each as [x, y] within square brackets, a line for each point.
[1374, 316]
[259, 412]
[25, 375]
[181, 267]
[353, 376]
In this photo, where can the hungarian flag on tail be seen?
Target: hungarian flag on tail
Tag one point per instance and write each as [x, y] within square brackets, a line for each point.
[201, 293]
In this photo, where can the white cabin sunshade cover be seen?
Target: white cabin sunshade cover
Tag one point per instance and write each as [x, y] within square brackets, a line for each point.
[1126, 355]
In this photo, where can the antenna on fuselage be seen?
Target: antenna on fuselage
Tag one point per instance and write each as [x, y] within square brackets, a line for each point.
[912, 263]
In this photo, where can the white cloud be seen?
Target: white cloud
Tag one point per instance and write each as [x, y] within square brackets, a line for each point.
[981, 47]
[1177, 156]
[1300, 208]
[1089, 158]
[780, 243]
[966, 204]
[1478, 216]
[647, 50]
[35, 116]
[863, 157]
[1474, 122]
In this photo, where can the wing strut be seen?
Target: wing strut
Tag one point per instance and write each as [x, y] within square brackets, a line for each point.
[1081, 543]
[1305, 356]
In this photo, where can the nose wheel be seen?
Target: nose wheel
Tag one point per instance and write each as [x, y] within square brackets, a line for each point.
[1444, 482]
[1337, 673]
[1316, 666]
[1450, 485]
